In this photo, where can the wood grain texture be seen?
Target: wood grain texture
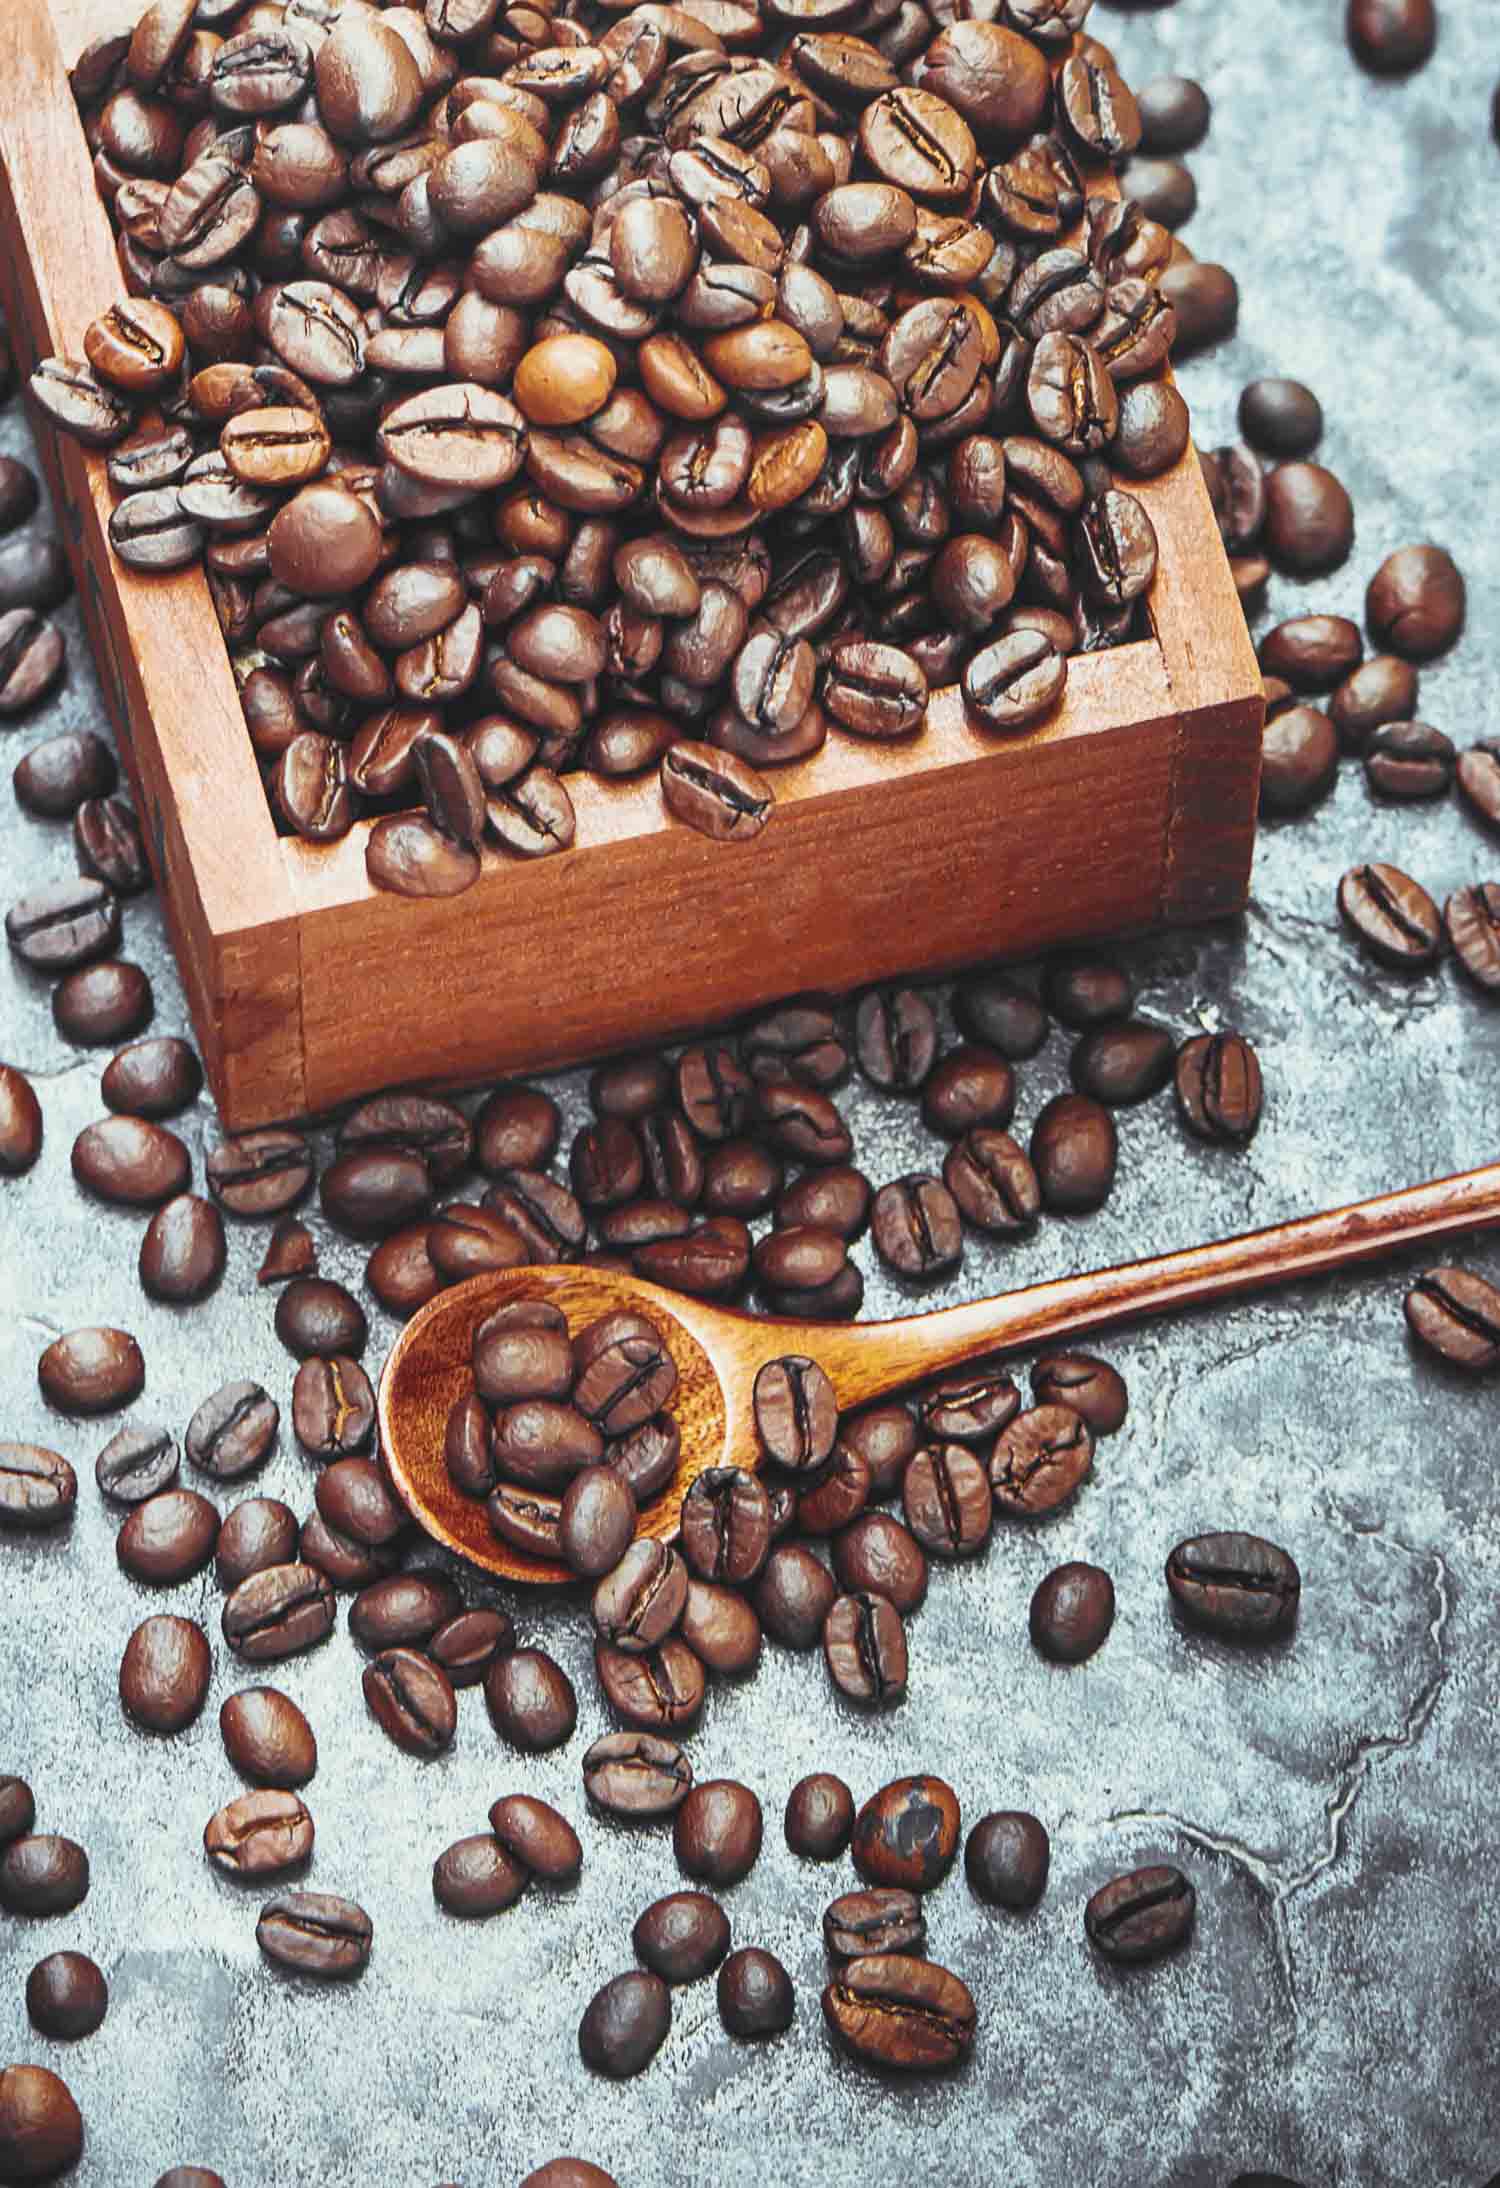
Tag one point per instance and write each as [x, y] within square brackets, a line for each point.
[1134, 806]
[719, 1351]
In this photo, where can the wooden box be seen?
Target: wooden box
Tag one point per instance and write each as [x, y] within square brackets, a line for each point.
[1134, 807]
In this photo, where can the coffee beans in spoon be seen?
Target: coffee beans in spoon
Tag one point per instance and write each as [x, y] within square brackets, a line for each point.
[575, 333]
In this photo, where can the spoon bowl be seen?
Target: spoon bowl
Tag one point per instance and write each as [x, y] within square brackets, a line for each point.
[718, 1353]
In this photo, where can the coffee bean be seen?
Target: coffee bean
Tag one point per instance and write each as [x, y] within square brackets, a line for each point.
[1416, 602]
[530, 1700]
[1122, 1063]
[858, 1924]
[596, 1521]
[1039, 1460]
[1206, 299]
[1235, 1586]
[1281, 417]
[1152, 431]
[1090, 1386]
[636, 1774]
[1073, 1151]
[153, 1078]
[714, 792]
[992, 1182]
[1312, 652]
[877, 1555]
[946, 1498]
[333, 1408]
[17, 1809]
[261, 1173]
[1391, 37]
[893, 2011]
[233, 1431]
[20, 1122]
[1218, 1087]
[970, 1405]
[1174, 114]
[682, 1937]
[41, 2128]
[257, 1532]
[755, 1995]
[1299, 758]
[916, 1227]
[42, 1874]
[571, 2173]
[864, 1647]
[164, 1673]
[267, 1738]
[907, 1834]
[1409, 760]
[1006, 1859]
[658, 1690]
[885, 1436]
[1072, 1611]
[66, 1996]
[260, 1835]
[403, 1611]
[38, 1488]
[1472, 919]
[131, 1161]
[793, 1595]
[636, 1605]
[314, 1933]
[412, 1700]
[1392, 915]
[374, 1191]
[533, 1832]
[1309, 519]
[717, 1832]
[168, 1538]
[1478, 775]
[1141, 1915]
[819, 1817]
[136, 1464]
[183, 1251]
[55, 776]
[476, 1876]
[67, 925]
[625, 2025]
[34, 573]
[317, 1318]
[465, 1646]
[91, 1371]
[278, 1612]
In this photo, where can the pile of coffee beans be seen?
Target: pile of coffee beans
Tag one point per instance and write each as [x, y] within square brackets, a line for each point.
[565, 1437]
[582, 389]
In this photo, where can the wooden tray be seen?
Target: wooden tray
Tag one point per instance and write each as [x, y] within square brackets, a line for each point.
[1133, 808]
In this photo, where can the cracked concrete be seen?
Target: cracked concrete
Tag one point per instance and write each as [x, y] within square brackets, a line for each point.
[1333, 1799]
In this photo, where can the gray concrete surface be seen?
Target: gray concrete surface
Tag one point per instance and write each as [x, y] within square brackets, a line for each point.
[1336, 2016]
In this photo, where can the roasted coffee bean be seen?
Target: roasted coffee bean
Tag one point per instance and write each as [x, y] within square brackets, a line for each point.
[1122, 1063]
[131, 1161]
[257, 1532]
[755, 1995]
[33, 574]
[164, 1674]
[42, 1874]
[317, 1318]
[66, 1997]
[354, 1497]
[794, 1595]
[877, 1555]
[874, 690]
[183, 1252]
[625, 2025]
[1218, 1085]
[412, 1700]
[136, 1464]
[864, 1647]
[400, 1271]
[1206, 299]
[475, 1876]
[739, 1179]
[1409, 760]
[530, 1700]
[91, 1371]
[17, 1809]
[374, 1191]
[659, 1690]
[819, 1817]
[970, 1405]
[1478, 774]
[1472, 919]
[1312, 652]
[1416, 602]
[41, 2128]
[1090, 1386]
[1309, 519]
[714, 792]
[55, 776]
[542, 1444]
[992, 1182]
[38, 1488]
[526, 1519]
[1392, 915]
[907, 1834]
[894, 2011]
[1006, 1859]
[1391, 37]
[1281, 417]
[77, 402]
[1299, 760]
[1141, 1915]
[407, 854]
[1015, 680]
[333, 1409]
[636, 1774]
[717, 1832]
[465, 1646]
[107, 838]
[1235, 1586]
[835, 1494]
[70, 924]
[916, 1227]
[1072, 1611]
[1039, 1460]
[796, 1413]
[512, 1362]
[946, 1498]
[835, 1199]
[278, 1612]
[682, 1937]
[596, 1521]
[260, 1835]
[638, 1602]
[97, 1005]
[1074, 1148]
[858, 1924]
[267, 1738]
[261, 1173]
[534, 1834]
[896, 1038]
[403, 1611]
[232, 1432]
[343, 1561]
[726, 1526]
[436, 1131]
[314, 1933]
[168, 1538]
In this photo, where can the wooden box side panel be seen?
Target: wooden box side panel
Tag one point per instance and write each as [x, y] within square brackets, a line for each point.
[161, 660]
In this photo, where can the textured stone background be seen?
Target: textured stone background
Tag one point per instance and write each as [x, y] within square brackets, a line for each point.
[1336, 2016]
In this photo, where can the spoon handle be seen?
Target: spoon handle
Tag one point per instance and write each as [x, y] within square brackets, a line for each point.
[867, 1360]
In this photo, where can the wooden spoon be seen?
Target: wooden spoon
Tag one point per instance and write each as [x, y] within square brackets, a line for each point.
[718, 1351]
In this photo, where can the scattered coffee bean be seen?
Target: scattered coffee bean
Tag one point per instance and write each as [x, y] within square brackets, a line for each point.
[260, 1835]
[38, 1488]
[636, 1775]
[91, 1371]
[476, 1876]
[819, 1817]
[1235, 1586]
[41, 2128]
[1142, 1915]
[66, 1996]
[315, 1933]
[908, 1834]
[893, 2011]
[682, 1937]
[530, 1700]
[1039, 1461]
[278, 1612]
[1072, 1612]
[1392, 915]
[267, 1738]
[42, 1874]
[233, 1431]
[755, 1995]
[168, 1538]
[164, 1673]
[625, 2025]
[1006, 1859]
